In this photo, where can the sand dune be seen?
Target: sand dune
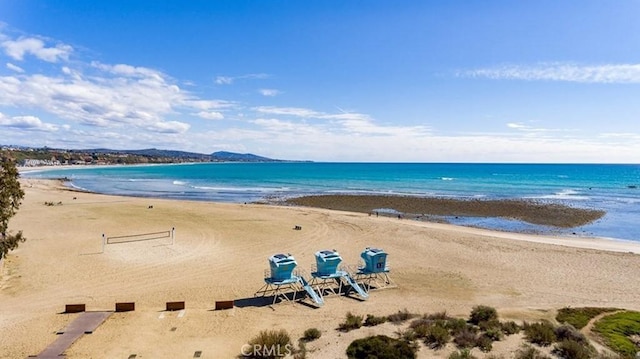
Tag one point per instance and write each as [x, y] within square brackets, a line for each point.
[220, 253]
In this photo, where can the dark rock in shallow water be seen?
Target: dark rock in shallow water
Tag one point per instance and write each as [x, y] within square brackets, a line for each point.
[632, 186]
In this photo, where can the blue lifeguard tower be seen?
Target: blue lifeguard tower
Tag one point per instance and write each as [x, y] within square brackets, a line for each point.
[281, 276]
[374, 270]
[327, 274]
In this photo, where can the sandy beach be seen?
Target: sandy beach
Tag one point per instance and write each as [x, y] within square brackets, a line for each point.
[220, 253]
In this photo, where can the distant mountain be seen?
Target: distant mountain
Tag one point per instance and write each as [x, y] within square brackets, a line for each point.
[151, 152]
[239, 157]
[148, 155]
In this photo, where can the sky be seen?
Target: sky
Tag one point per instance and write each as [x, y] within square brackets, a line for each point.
[327, 80]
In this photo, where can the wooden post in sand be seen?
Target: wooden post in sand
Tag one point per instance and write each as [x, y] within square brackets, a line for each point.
[173, 235]
[103, 242]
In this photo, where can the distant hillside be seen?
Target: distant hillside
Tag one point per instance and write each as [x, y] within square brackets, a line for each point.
[52, 156]
[239, 157]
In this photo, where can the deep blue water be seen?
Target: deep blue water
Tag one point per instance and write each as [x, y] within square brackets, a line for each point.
[613, 188]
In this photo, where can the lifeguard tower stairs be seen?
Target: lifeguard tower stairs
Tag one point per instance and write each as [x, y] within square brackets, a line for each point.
[374, 273]
[281, 279]
[327, 274]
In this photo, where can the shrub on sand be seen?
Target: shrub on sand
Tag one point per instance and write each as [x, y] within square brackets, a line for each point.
[571, 349]
[509, 328]
[381, 347]
[483, 313]
[311, 334]
[351, 322]
[462, 354]
[401, 316]
[466, 338]
[529, 352]
[373, 320]
[270, 344]
[541, 333]
[437, 336]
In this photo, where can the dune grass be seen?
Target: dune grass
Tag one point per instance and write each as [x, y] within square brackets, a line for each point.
[580, 317]
[616, 330]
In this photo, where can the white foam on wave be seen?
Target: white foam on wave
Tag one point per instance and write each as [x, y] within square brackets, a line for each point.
[564, 194]
[447, 178]
[179, 183]
[241, 189]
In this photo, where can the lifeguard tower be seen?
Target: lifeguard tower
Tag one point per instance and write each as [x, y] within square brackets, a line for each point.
[281, 278]
[327, 274]
[374, 271]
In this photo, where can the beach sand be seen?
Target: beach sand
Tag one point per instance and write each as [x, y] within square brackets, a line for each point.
[220, 253]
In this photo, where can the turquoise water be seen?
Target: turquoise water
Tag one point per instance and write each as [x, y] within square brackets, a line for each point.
[613, 188]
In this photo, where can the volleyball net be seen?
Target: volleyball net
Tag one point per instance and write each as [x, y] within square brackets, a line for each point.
[129, 238]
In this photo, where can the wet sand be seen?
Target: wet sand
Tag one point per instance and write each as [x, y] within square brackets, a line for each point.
[528, 211]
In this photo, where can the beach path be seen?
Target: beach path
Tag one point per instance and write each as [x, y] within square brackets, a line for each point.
[86, 323]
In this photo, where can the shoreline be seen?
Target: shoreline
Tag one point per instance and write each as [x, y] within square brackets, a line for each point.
[585, 242]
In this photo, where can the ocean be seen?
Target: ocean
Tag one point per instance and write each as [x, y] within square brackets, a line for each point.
[611, 187]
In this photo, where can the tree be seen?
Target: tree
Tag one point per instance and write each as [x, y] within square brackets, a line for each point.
[10, 196]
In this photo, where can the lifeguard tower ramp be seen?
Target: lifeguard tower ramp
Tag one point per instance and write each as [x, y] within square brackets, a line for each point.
[281, 279]
[327, 274]
[374, 273]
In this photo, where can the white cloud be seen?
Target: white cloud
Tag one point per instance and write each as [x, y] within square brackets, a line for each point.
[228, 80]
[608, 73]
[110, 96]
[16, 49]
[210, 115]
[26, 123]
[269, 92]
[15, 68]
[288, 111]
[169, 127]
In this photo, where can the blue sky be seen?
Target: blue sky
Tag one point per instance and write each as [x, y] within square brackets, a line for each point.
[327, 80]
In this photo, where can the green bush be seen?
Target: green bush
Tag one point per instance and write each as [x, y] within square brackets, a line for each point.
[616, 329]
[311, 334]
[510, 327]
[351, 322]
[466, 338]
[270, 344]
[568, 332]
[438, 316]
[373, 320]
[401, 316]
[462, 354]
[483, 313]
[541, 333]
[494, 334]
[380, 347]
[571, 349]
[456, 325]
[420, 327]
[484, 343]
[529, 352]
[489, 324]
[437, 336]
[580, 317]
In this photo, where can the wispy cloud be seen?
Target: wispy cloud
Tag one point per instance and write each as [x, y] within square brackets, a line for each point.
[15, 68]
[269, 92]
[346, 122]
[228, 80]
[17, 49]
[607, 73]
